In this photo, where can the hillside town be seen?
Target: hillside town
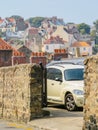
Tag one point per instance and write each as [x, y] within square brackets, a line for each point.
[27, 90]
[20, 40]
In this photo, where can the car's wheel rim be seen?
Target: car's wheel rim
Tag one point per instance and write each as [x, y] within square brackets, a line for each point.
[70, 104]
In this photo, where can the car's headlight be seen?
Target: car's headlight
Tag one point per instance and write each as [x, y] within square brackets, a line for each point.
[78, 92]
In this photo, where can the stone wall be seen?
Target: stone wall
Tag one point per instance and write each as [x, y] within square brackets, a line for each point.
[91, 93]
[20, 92]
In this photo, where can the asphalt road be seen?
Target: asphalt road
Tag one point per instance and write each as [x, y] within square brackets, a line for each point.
[5, 125]
[59, 119]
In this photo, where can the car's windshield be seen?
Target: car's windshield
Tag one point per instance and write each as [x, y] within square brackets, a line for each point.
[74, 74]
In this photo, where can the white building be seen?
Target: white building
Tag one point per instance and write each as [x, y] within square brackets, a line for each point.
[84, 48]
[53, 43]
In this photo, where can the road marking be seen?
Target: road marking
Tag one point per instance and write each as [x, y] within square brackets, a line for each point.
[29, 129]
[20, 126]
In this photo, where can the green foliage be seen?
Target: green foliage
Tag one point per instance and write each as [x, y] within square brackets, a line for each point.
[70, 23]
[82, 31]
[95, 49]
[2, 34]
[93, 33]
[16, 17]
[36, 21]
[17, 42]
[96, 25]
[96, 40]
[83, 28]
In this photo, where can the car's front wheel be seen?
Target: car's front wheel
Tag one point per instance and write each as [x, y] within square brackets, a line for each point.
[70, 103]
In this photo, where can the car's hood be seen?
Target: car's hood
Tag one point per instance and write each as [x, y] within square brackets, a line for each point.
[76, 84]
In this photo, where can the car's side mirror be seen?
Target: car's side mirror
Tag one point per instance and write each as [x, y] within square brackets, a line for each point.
[58, 79]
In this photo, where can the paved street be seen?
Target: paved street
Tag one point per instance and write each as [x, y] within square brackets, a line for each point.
[59, 119]
[4, 125]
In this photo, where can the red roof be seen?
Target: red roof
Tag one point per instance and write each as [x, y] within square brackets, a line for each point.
[1, 20]
[56, 40]
[11, 20]
[33, 30]
[80, 44]
[5, 46]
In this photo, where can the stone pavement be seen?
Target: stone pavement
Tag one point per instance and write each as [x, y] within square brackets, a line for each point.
[5, 125]
[59, 119]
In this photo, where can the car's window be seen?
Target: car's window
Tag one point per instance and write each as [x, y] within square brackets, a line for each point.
[53, 73]
[58, 74]
[74, 74]
[50, 73]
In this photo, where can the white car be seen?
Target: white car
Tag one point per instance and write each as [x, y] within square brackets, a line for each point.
[65, 85]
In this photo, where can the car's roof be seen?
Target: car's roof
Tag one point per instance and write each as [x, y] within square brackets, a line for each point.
[65, 66]
[78, 61]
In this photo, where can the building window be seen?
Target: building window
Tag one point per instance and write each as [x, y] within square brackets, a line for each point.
[47, 47]
[84, 48]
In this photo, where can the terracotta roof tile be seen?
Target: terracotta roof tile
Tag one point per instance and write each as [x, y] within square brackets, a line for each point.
[33, 31]
[1, 20]
[5, 46]
[80, 44]
[56, 39]
[11, 20]
[17, 53]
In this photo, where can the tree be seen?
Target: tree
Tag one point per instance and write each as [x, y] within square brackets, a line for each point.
[96, 25]
[93, 33]
[2, 34]
[16, 17]
[83, 28]
[36, 21]
[95, 49]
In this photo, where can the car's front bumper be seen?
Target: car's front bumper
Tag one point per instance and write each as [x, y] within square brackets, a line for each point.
[79, 100]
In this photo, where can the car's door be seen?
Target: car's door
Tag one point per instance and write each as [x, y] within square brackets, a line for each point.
[54, 84]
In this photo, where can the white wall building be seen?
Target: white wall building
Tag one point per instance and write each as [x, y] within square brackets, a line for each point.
[84, 48]
[53, 43]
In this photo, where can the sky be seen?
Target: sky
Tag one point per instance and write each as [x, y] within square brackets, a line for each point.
[75, 11]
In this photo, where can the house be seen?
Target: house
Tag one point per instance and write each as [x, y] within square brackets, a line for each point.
[3, 22]
[14, 35]
[6, 53]
[34, 40]
[11, 21]
[71, 28]
[49, 25]
[26, 51]
[7, 24]
[83, 48]
[61, 32]
[10, 56]
[52, 21]
[21, 25]
[53, 43]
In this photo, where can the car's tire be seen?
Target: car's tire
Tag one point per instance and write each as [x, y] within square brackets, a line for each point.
[70, 103]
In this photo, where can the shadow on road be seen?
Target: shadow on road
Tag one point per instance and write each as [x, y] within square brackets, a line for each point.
[60, 118]
[63, 108]
[59, 111]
